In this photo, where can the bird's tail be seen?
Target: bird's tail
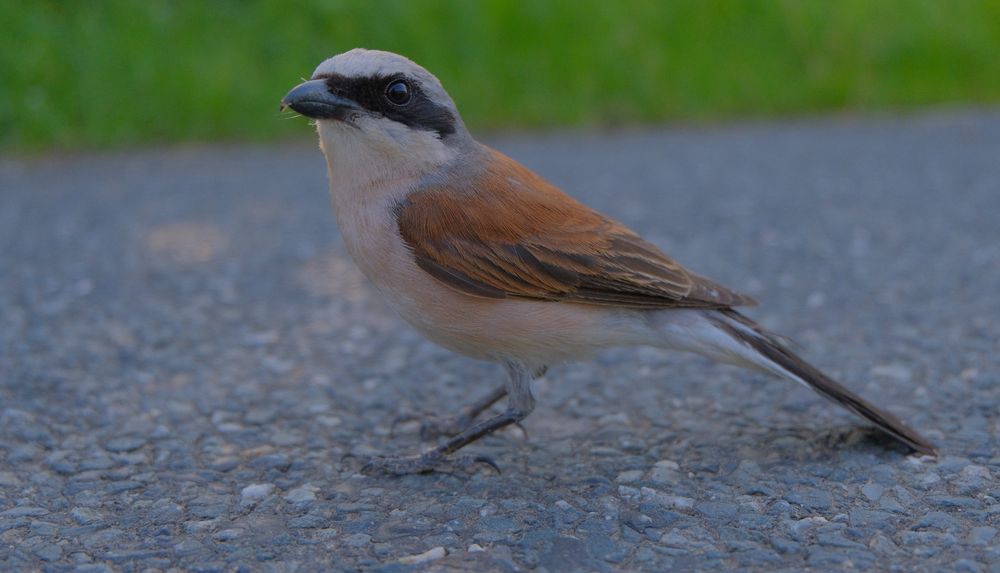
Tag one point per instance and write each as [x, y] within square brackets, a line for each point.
[761, 350]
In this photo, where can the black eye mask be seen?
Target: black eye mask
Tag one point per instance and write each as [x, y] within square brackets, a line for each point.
[370, 94]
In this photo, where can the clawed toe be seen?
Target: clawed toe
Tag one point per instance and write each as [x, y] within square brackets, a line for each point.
[428, 462]
[486, 460]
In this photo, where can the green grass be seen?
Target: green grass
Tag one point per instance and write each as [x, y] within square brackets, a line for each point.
[121, 72]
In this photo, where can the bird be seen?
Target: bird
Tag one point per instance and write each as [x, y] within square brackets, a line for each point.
[486, 258]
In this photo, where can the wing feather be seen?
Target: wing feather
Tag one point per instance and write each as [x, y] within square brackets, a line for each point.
[509, 233]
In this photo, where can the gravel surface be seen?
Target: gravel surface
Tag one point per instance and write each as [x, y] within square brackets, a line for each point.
[187, 359]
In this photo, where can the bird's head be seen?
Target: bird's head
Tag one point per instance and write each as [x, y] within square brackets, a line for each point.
[381, 107]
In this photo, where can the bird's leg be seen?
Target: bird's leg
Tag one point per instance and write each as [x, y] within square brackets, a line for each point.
[520, 403]
[437, 426]
[432, 426]
[453, 425]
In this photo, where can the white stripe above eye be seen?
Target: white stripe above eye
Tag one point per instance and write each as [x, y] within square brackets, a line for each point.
[367, 63]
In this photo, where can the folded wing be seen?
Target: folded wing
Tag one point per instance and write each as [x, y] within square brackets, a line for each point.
[506, 232]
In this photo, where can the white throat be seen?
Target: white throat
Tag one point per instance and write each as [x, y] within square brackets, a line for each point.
[377, 160]
[371, 169]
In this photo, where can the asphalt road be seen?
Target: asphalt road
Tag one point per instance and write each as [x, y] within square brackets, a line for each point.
[187, 356]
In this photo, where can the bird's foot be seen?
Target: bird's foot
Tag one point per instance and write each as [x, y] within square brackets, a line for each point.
[427, 462]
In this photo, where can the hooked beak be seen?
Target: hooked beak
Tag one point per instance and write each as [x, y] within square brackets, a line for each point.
[314, 99]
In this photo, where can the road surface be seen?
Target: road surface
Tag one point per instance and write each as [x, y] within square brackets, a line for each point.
[189, 363]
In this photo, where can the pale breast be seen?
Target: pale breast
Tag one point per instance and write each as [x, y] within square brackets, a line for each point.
[537, 332]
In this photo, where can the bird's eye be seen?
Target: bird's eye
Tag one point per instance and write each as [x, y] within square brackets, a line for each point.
[398, 92]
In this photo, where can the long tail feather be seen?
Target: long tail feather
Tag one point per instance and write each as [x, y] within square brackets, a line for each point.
[785, 362]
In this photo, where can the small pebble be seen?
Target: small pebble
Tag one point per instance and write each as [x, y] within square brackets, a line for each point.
[124, 444]
[227, 534]
[629, 476]
[85, 515]
[357, 539]
[429, 555]
[44, 528]
[872, 491]
[982, 535]
[302, 494]
[24, 511]
[255, 492]
[665, 472]
[810, 498]
[48, 552]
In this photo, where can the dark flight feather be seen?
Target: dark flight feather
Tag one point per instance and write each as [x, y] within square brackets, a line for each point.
[770, 347]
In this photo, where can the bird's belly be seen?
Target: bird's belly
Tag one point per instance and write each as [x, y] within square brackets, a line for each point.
[536, 332]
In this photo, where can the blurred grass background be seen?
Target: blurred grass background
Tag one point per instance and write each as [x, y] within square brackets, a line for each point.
[122, 72]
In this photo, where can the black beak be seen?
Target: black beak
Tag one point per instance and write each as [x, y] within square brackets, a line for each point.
[314, 99]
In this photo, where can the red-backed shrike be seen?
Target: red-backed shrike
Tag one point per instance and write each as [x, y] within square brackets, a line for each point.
[486, 258]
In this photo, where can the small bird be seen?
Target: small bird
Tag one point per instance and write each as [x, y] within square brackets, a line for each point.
[487, 259]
